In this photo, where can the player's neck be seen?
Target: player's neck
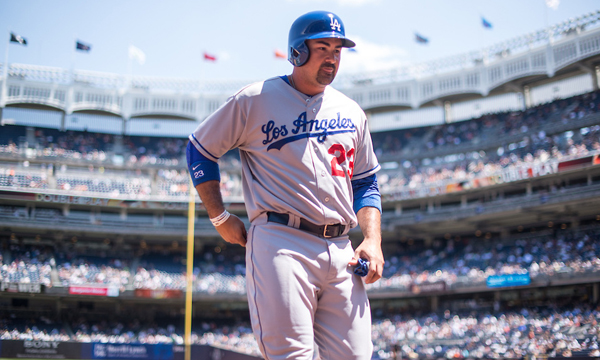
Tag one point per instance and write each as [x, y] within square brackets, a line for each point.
[306, 87]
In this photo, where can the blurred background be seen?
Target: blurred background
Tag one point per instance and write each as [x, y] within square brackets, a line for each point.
[484, 116]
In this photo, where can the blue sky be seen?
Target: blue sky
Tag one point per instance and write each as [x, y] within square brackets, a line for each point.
[244, 34]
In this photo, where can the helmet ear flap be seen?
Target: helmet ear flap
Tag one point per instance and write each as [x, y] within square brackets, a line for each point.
[299, 55]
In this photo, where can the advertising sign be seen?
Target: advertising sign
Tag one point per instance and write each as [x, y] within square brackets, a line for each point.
[93, 290]
[508, 280]
[428, 287]
[129, 351]
[33, 288]
[159, 293]
[34, 349]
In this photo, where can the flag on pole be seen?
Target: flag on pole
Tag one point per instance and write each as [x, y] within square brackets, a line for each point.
[421, 39]
[486, 24]
[18, 39]
[137, 54]
[279, 54]
[82, 46]
[210, 57]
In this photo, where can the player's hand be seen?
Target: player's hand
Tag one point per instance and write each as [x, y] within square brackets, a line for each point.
[233, 231]
[371, 251]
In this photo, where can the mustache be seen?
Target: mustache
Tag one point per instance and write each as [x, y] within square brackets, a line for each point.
[331, 66]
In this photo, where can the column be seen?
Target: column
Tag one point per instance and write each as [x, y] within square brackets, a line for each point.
[434, 303]
[398, 209]
[430, 206]
[526, 97]
[447, 112]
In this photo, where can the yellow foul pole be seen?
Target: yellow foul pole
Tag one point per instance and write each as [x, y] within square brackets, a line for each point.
[189, 271]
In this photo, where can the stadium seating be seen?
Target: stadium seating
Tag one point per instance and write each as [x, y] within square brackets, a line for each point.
[468, 262]
[450, 153]
[554, 330]
[83, 163]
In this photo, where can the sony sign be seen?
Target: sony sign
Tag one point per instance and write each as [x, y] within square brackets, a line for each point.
[40, 344]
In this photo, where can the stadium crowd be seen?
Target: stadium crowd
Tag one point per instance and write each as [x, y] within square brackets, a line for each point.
[514, 332]
[527, 144]
[515, 124]
[53, 145]
[479, 164]
[25, 265]
[93, 181]
[550, 330]
[525, 133]
[545, 254]
[469, 262]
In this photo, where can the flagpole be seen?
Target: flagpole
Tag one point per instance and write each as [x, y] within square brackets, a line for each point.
[4, 77]
[5, 68]
[129, 68]
[482, 30]
[484, 41]
[202, 70]
[412, 56]
[73, 50]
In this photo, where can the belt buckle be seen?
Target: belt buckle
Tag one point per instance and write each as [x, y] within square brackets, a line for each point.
[325, 232]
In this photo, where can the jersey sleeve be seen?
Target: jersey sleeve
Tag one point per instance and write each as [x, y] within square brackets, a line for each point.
[366, 193]
[221, 131]
[365, 163]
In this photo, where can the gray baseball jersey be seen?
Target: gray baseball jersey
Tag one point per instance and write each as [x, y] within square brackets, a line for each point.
[298, 153]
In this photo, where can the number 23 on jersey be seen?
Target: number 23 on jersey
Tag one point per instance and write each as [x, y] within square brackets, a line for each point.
[340, 155]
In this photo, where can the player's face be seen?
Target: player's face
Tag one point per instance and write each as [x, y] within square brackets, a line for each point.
[324, 60]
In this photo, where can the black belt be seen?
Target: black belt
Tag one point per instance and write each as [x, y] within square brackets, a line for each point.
[324, 231]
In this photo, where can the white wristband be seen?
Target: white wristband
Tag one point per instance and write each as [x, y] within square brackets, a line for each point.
[219, 220]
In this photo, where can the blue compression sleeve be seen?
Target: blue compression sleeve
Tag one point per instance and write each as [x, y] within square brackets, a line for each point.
[201, 168]
[366, 193]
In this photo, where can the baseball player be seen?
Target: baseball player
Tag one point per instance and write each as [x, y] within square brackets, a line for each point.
[308, 170]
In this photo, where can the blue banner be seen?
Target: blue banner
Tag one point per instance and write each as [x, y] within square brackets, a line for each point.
[508, 280]
[38, 349]
[130, 351]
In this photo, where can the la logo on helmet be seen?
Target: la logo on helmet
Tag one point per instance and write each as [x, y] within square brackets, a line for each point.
[334, 23]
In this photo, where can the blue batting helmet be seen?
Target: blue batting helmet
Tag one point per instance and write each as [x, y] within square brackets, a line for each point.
[314, 25]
